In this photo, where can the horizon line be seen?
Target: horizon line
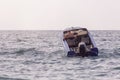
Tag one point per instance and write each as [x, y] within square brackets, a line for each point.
[46, 29]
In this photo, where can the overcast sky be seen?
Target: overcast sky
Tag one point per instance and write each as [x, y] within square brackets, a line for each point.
[58, 14]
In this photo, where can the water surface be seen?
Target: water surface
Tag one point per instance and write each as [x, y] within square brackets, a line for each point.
[39, 55]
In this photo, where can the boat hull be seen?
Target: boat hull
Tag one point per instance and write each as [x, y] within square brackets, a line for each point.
[92, 52]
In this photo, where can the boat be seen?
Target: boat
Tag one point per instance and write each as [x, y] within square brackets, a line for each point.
[78, 41]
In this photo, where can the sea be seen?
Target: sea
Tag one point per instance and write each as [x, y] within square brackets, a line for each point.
[39, 55]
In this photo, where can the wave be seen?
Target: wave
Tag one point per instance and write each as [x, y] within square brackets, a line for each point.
[6, 78]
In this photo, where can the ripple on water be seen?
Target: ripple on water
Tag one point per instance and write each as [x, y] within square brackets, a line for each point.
[6, 78]
[116, 68]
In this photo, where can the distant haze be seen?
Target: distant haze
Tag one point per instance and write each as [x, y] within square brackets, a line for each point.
[59, 14]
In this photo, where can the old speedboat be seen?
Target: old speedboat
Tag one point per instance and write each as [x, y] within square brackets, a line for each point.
[79, 42]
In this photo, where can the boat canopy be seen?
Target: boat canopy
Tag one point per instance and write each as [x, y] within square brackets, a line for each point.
[76, 31]
[74, 28]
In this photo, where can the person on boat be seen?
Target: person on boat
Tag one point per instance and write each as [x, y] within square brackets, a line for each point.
[83, 50]
[69, 35]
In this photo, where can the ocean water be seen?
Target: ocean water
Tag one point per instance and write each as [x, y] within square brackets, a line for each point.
[39, 55]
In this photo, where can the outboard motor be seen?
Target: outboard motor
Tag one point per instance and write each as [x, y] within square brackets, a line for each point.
[82, 49]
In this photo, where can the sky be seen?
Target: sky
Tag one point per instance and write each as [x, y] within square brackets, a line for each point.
[59, 14]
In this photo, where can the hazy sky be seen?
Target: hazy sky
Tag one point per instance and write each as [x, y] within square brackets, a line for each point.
[58, 14]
